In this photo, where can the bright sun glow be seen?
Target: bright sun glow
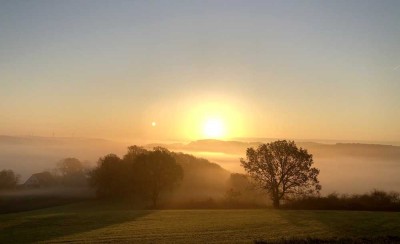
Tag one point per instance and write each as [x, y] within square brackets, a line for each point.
[210, 117]
[214, 128]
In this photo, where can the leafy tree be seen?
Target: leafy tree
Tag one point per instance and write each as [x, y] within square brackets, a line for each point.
[8, 179]
[108, 177]
[72, 172]
[282, 169]
[70, 166]
[133, 152]
[140, 174]
[156, 172]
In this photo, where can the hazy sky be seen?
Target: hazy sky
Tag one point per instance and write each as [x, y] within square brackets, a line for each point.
[287, 69]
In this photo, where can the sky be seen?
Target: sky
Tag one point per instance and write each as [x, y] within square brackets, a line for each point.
[184, 70]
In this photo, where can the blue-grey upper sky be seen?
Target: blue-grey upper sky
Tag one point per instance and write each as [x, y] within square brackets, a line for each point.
[288, 69]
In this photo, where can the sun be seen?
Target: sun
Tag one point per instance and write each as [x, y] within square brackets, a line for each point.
[214, 128]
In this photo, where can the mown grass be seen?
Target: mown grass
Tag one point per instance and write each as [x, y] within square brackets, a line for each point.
[98, 222]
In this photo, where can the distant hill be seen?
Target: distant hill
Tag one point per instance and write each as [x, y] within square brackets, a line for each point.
[384, 152]
[38, 140]
[321, 141]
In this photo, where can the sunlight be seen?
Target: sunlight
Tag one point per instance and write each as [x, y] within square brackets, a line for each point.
[213, 117]
[214, 128]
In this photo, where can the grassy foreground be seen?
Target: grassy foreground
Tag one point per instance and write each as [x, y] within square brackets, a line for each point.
[104, 222]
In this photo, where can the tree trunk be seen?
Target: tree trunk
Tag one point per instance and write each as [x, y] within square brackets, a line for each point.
[154, 202]
[155, 198]
[276, 202]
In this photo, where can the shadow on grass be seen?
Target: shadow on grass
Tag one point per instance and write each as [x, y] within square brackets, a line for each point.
[361, 240]
[344, 224]
[45, 225]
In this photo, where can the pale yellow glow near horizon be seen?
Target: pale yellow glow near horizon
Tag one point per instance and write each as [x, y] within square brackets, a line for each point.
[198, 116]
[214, 128]
[217, 118]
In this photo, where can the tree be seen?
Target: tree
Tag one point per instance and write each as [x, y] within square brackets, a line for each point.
[282, 169]
[70, 166]
[72, 172]
[155, 172]
[8, 179]
[141, 174]
[133, 152]
[109, 177]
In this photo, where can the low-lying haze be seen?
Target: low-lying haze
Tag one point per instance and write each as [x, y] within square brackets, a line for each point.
[345, 167]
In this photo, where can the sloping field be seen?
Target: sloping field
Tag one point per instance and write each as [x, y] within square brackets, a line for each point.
[109, 222]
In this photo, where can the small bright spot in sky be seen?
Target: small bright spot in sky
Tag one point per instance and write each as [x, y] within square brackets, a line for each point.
[153, 124]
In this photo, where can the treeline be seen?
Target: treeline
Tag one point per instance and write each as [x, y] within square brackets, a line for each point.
[165, 179]
[374, 201]
[139, 175]
[8, 179]
[68, 172]
[146, 178]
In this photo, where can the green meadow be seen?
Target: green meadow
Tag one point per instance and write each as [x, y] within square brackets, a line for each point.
[100, 222]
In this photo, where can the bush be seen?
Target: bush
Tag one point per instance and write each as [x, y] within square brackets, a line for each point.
[8, 179]
[374, 201]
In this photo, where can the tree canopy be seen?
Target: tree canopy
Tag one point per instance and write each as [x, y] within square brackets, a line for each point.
[282, 169]
[141, 173]
[8, 179]
[109, 177]
[156, 172]
[71, 172]
[70, 166]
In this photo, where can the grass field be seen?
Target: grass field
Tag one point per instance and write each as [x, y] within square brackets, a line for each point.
[104, 222]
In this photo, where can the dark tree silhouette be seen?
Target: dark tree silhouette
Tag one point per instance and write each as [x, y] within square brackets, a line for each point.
[141, 174]
[69, 166]
[133, 152]
[8, 179]
[282, 169]
[72, 172]
[156, 171]
[110, 177]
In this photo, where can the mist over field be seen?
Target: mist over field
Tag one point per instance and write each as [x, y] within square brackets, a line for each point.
[229, 121]
[28, 155]
[344, 167]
